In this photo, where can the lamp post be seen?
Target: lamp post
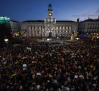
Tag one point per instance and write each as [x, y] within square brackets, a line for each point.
[6, 40]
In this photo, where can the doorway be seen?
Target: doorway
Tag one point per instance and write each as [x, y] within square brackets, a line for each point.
[50, 34]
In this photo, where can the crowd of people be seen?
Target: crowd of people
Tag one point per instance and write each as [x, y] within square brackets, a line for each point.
[32, 66]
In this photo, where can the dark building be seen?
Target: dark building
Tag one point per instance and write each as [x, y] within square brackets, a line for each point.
[5, 29]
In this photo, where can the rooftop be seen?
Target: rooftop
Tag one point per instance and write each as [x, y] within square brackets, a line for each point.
[43, 21]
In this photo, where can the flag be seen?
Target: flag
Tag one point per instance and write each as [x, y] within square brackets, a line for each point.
[49, 28]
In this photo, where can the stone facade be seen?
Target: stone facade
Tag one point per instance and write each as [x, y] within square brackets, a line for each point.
[49, 27]
[15, 26]
[89, 26]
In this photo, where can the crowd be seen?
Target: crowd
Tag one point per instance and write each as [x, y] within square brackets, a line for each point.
[73, 67]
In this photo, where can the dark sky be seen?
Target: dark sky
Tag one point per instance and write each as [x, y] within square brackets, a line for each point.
[21, 10]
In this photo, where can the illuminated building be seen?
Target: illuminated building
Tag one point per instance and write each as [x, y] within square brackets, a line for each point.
[49, 27]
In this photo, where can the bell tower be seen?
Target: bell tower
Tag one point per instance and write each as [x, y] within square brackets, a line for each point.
[50, 12]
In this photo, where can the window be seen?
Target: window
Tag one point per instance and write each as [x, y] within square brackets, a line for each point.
[63, 27]
[39, 27]
[36, 27]
[29, 28]
[66, 27]
[70, 27]
[32, 27]
[53, 28]
[60, 28]
[57, 28]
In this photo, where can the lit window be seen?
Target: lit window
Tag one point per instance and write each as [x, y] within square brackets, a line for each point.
[53, 28]
[29, 28]
[60, 28]
[66, 27]
[57, 28]
[70, 27]
[63, 28]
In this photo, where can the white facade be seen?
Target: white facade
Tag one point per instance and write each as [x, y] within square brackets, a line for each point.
[89, 26]
[49, 27]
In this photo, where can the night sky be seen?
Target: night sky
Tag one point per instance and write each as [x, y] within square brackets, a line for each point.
[22, 10]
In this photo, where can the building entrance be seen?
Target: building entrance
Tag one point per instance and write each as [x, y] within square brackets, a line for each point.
[50, 34]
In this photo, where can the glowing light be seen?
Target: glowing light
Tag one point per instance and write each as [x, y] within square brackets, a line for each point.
[50, 14]
[48, 39]
[77, 38]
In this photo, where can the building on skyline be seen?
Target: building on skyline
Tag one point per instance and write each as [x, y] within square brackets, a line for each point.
[49, 27]
[89, 26]
[15, 26]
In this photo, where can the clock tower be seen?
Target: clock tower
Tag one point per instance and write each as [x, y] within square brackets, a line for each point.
[50, 12]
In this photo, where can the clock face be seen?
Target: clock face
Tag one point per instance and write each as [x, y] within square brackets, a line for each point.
[50, 14]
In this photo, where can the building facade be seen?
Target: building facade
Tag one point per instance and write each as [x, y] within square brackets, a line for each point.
[15, 26]
[5, 28]
[49, 27]
[89, 26]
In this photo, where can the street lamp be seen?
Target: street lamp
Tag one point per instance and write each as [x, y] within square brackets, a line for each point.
[6, 40]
